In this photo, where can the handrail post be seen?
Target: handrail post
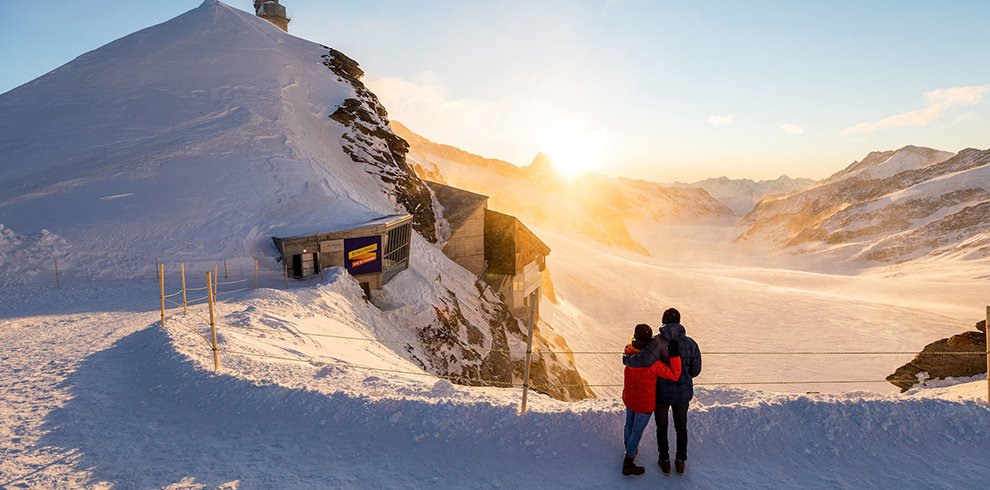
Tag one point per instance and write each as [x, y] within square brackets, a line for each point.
[182, 271]
[161, 288]
[213, 324]
[529, 352]
[986, 333]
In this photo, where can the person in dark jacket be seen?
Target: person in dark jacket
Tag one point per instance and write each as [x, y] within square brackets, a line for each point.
[672, 396]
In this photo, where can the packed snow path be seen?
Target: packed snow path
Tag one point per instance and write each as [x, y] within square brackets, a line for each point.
[94, 394]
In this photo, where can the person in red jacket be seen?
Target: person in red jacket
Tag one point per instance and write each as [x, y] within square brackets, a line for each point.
[639, 392]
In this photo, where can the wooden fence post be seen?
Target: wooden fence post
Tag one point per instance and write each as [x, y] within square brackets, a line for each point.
[216, 276]
[161, 288]
[213, 324]
[182, 271]
[986, 333]
[224, 269]
[257, 265]
[286, 270]
[529, 352]
[58, 282]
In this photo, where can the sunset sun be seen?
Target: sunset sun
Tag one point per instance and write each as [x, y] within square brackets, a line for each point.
[574, 152]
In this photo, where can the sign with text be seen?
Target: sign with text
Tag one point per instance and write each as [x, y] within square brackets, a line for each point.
[331, 246]
[363, 255]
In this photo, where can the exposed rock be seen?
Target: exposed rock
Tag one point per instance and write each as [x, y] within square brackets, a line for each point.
[938, 366]
[370, 141]
[480, 355]
[981, 326]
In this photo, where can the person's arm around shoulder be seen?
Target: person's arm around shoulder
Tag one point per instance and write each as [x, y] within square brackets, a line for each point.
[673, 371]
[646, 357]
[694, 363]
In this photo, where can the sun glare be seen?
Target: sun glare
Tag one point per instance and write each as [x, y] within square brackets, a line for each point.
[574, 152]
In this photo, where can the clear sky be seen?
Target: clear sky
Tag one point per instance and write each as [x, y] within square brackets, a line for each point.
[664, 90]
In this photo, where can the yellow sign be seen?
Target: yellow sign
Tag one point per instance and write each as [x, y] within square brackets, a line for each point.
[353, 254]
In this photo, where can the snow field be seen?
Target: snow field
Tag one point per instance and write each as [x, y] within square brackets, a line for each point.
[94, 398]
[735, 300]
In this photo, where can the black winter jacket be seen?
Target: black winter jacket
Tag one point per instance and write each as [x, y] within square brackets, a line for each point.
[678, 392]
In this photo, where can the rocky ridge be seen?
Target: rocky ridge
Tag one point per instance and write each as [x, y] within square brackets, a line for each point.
[931, 205]
[928, 365]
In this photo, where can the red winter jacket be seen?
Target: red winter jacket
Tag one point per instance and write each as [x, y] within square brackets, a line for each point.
[639, 391]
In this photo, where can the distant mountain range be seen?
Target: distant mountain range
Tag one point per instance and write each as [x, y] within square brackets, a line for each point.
[741, 195]
[593, 204]
[892, 206]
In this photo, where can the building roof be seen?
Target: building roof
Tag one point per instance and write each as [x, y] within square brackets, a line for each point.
[382, 221]
[509, 244]
[458, 204]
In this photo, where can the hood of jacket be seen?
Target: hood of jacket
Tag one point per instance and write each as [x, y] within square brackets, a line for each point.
[673, 331]
[630, 350]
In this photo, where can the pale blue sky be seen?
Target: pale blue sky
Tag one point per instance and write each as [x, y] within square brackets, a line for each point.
[665, 90]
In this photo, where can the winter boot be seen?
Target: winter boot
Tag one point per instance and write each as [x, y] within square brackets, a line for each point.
[630, 468]
[664, 466]
[679, 464]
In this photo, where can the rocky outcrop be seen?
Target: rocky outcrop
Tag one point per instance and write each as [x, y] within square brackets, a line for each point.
[492, 354]
[370, 141]
[929, 364]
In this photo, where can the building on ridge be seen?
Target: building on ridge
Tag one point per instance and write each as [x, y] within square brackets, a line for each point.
[273, 12]
[496, 247]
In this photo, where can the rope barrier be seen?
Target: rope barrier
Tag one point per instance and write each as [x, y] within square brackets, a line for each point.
[197, 289]
[741, 353]
[572, 385]
[174, 294]
[378, 341]
[231, 282]
[232, 292]
[366, 368]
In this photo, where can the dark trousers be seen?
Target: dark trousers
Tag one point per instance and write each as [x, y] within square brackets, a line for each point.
[680, 427]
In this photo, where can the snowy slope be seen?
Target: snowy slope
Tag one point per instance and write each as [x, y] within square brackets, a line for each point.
[597, 206]
[742, 195]
[892, 207]
[200, 136]
[98, 397]
[199, 139]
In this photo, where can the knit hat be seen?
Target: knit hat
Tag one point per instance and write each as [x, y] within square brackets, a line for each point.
[643, 333]
[671, 316]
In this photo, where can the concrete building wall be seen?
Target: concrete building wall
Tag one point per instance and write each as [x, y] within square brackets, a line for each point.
[466, 245]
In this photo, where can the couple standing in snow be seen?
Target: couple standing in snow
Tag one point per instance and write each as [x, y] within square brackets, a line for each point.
[657, 380]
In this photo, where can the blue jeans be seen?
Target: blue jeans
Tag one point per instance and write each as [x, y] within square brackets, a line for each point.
[635, 425]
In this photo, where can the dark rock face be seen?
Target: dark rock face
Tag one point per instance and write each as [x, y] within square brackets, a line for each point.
[937, 366]
[370, 141]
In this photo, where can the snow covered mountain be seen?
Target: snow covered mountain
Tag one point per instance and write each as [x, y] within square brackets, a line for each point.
[198, 140]
[892, 206]
[597, 206]
[742, 195]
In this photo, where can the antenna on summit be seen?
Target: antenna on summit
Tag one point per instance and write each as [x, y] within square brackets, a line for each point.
[273, 12]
